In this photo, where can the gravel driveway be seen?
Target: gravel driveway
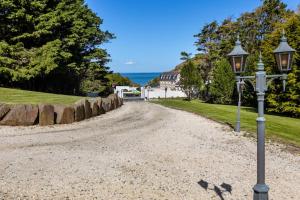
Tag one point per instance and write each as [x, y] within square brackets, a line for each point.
[140, 151]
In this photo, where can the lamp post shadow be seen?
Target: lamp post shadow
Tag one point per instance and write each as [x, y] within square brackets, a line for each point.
[219, 190]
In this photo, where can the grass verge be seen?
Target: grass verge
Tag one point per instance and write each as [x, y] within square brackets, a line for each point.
[16, 96]
[284, 129]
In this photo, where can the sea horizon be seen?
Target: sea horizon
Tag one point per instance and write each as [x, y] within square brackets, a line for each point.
[137, 72]
[141, 78]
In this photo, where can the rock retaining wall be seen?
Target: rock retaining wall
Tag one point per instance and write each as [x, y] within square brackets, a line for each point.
[47, 114]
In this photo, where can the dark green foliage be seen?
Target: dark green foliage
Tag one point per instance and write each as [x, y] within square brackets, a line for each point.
[185, 56]
[259, 30]
[287, 102]
[96, 86]
[118, 79]
[105, 85]
[51, 45]
[190, 78]
[208, 44]
[223, 81]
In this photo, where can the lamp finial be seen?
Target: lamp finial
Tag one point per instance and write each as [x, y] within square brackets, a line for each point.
[238, 42]
[283, 38]
[260, 64]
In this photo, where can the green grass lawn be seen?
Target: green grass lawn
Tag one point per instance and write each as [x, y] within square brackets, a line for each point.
[15, 96]
[284, 129]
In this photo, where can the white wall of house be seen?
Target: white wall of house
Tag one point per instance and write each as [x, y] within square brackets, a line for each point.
[155, 93]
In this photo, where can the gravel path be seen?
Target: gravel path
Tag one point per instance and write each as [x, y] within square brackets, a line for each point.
[140, 151]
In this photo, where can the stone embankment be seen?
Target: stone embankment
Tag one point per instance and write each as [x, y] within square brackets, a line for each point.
[48, 114]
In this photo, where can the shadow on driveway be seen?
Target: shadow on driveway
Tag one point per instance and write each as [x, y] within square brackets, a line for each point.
[219, 190]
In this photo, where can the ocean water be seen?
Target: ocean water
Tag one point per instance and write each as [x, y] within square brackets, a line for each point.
[141, 78]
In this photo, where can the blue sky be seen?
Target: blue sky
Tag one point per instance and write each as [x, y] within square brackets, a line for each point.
[150, 34]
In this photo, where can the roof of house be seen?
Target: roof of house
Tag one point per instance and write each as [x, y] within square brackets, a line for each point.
[169, 76]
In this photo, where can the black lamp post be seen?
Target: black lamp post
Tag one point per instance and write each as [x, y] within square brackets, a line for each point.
[283, 55]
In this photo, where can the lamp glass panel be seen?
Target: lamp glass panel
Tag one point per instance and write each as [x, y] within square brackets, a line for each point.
[277, 58]
[284, 61]
[232, 63]
[290, 61]
[238, 63]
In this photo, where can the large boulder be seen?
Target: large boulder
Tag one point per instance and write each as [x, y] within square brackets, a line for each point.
[112, 103]
[46, 114]
[121, 101]
[95, 108]
[87, 107]
[106, 104]
[114, 99]
[79, 111]
[117, 100]
[4, 109]
[21, 115]
[64, 114]
[99, 102]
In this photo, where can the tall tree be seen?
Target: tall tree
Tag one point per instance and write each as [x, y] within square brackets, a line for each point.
[208, 40]
[287, 102]
[222, 85]
[215, 41]
[190, 78]
[50, 45]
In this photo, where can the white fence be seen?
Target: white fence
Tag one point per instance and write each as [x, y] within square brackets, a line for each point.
[154, 93]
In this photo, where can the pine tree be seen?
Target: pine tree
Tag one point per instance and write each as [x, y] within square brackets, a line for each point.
[50, 45]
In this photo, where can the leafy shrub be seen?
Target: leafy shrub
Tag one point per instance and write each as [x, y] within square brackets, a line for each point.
[222, 85]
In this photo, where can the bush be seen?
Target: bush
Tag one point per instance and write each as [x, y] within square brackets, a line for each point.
[96, 86]
[190, 80]
[222, 85]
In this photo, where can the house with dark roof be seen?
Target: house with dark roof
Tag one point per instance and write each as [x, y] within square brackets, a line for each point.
[170, 80]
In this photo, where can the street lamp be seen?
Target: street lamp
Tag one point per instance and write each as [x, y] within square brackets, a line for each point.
[283, 55]
[166, 89]
[207, 83]
[238, 58]
[148, 89]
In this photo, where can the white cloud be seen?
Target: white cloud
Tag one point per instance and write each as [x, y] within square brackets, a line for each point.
[130, 62]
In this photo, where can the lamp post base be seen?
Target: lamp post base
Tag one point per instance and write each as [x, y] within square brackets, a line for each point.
[237, 127]
[260, 192]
